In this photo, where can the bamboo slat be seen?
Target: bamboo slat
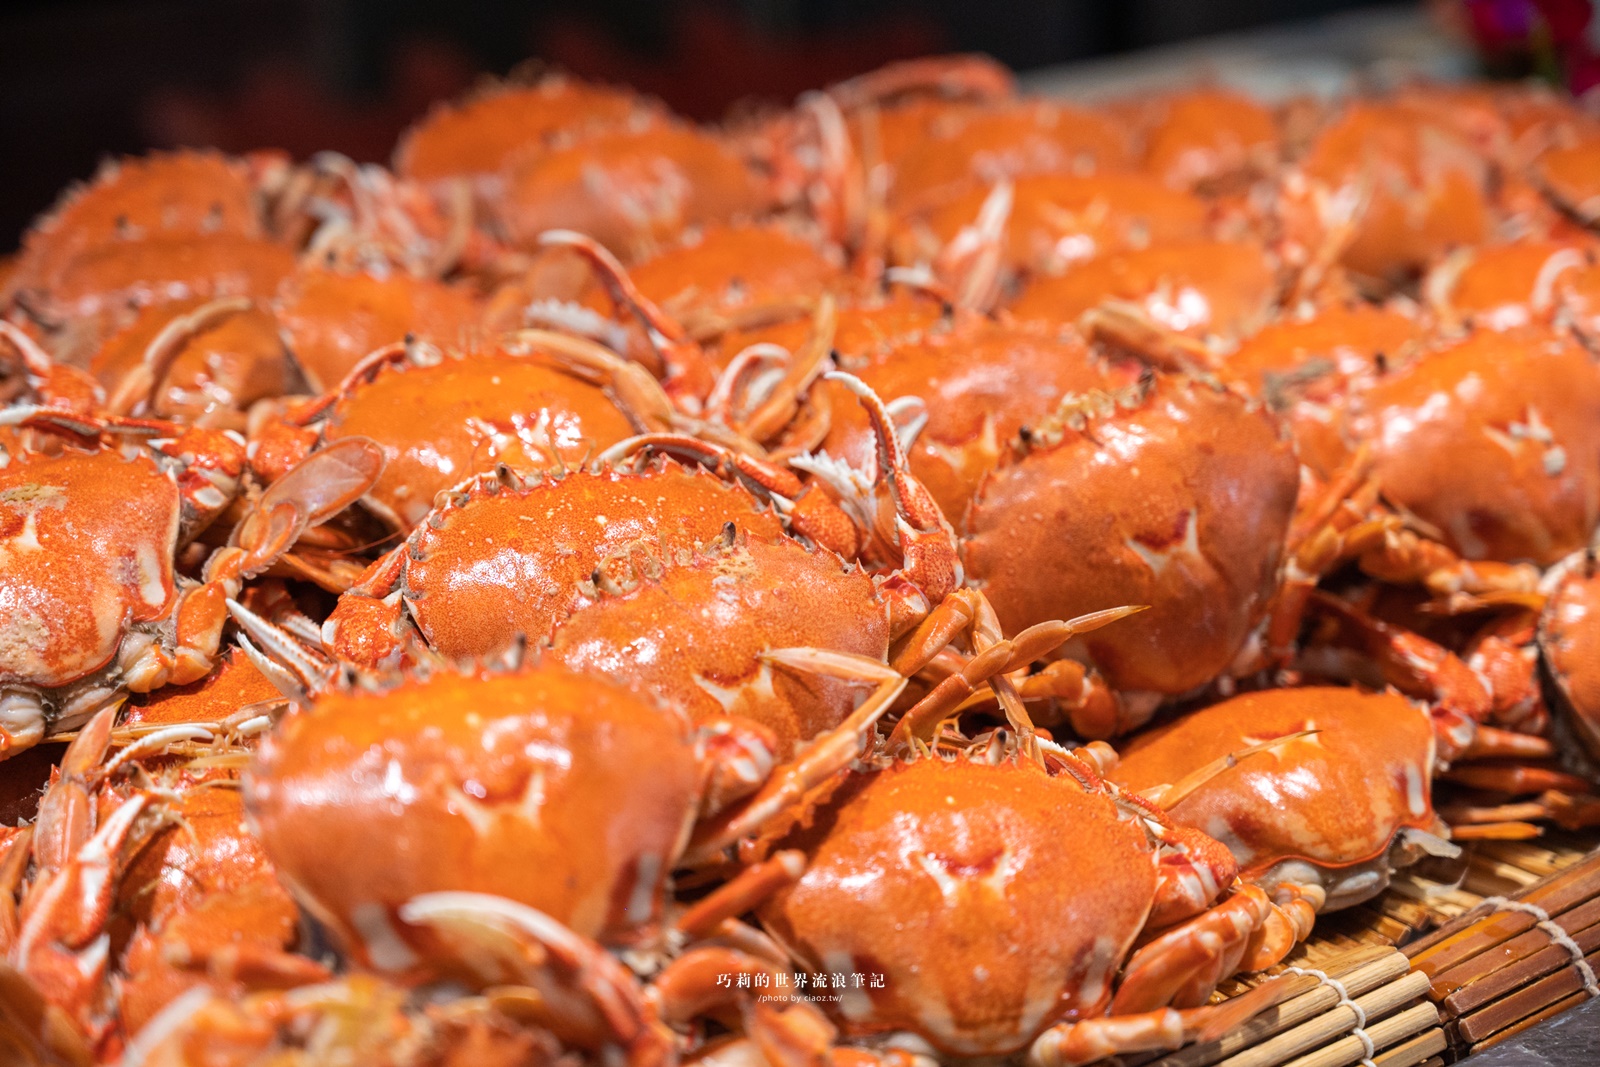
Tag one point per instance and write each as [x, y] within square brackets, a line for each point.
[1465, 974]
[1508, 964]
[1315, 1026]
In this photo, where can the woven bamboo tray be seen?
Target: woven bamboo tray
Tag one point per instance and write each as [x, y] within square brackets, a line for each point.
[1516, 958]
[1433, 969]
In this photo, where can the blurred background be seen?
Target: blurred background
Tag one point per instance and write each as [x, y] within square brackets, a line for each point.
[86, 78]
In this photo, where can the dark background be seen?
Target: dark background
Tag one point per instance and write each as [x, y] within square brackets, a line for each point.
[86, 78]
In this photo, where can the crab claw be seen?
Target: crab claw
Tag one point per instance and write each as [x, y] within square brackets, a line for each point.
[927, 541]
[592, 999]
[297, 672]
[970, 265]
[330, 480]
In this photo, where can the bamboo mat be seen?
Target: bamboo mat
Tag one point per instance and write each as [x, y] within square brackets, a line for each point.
[1432, 970]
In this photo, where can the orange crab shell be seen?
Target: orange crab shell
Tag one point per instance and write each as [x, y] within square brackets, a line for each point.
[693, 631]
[201, 887]
[726, 274]
[1181, 501]
[89, 540]
[545, 540]
[1202, 137]
[1505, 286]
[1058, 219]
[977, 147]
[476, 138]
[1308, 367]
[1199, 288]
[981, 384]
[558, 790]
[441, 423]
[1426, 187]
[233, 683]
[1570, 174]
[1335, 799]
[104, 278]
[221, 370]
[1495, 441]
[866, 329]
[162, 196]
[1570, 641]
[334, 318]
[954, 882]
[632, 190]
[356, 1018]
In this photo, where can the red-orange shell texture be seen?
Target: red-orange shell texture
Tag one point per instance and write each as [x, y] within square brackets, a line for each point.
[1308, 369]
[631, 190]
[981, 383]
[694, 630]
[993, 899]
[1494, 440]
[478, 137]
[105, 277]
[546, 540]
[1057, 219]
[1200, 288]
[1426, 188]
[86, 546]
[558, 790]
[333, 319]
[1506, 286]
[165, 196]
[978, 147]
[233, 684]
[439, 424]
[1335, 798]
[1569, 636]
[726, 269]
[1207, 135]
[221, 370]
[1181, 502]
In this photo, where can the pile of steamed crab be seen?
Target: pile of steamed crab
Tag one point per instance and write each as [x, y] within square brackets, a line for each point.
[919, 574]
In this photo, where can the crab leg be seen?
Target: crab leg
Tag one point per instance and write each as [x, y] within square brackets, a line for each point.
[688, 988]
[329, 481]
[591, 1000]
[1412, 663]
[1184, 964]
[1071, 1044]
[33, 1024]
[827, 755]
[702, 982]
[778, 408]
[741, 893]
[137, 389]
[13, 866]
[1126, 325]
[965, 609]
[996, 657]
[970, 266]
[637, 393]
[958, 77]
[689, 378]
[757, 475]
[297, 672]
[925, 539]
[62, 944]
